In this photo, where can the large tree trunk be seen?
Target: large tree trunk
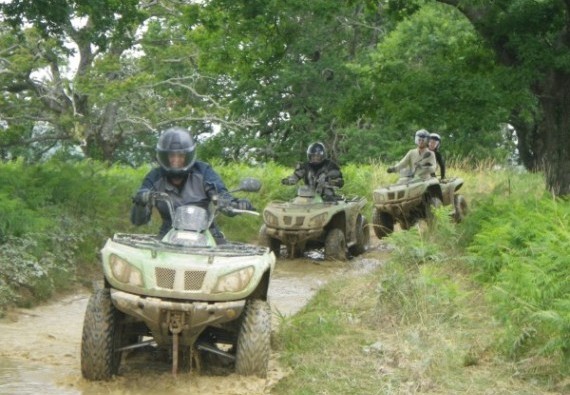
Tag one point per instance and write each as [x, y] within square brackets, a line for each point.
[552, 145]
[548, 146]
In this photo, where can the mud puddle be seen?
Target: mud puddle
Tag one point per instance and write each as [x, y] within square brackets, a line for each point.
[40, 347]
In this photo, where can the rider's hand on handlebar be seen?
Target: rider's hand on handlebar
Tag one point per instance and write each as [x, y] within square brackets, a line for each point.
[142, 198]
[288, 181]
[243, 204]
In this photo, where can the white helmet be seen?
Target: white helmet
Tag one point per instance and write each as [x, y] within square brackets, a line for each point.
[421, 134]
[435, 137]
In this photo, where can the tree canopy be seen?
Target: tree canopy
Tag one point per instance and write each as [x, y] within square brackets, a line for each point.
[262, 79]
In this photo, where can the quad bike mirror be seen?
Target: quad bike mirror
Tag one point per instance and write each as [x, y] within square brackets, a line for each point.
[249, 185]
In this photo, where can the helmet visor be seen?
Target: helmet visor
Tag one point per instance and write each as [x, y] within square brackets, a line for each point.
[316, 153]
[176, 160]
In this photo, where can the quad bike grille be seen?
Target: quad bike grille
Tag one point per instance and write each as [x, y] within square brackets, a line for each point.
[288, 220]
[165, 278]
[193, 280]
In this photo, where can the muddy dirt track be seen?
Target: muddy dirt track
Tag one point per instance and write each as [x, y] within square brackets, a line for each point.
[40, 347]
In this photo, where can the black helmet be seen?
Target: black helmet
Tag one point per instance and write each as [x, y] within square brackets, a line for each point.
[316, 153]
[176, 140]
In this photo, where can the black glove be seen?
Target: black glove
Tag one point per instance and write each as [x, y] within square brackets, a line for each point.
[288, 181]
[142, 198]
[391, 169]
[242, 204]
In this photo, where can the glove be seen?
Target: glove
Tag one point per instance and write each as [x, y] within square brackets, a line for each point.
[242, 204]
[142, 198]
[288, 181]
[335, 182]
[391, 169]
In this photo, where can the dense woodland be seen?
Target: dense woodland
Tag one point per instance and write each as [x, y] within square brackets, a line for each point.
[257, 80]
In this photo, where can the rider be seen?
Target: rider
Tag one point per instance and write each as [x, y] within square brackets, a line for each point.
[434, 144]
[318, 171]
[416, 161]
[184, 179]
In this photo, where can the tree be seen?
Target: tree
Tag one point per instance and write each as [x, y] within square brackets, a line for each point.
[287, 63]
[432, 71]
[531, 39]
[136, 73]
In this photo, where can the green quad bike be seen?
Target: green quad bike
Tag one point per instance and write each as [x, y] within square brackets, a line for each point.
[412, 199]
[182, 294]
[308, 222]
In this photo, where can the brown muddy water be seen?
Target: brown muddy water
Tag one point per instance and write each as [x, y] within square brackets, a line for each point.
[40, 347]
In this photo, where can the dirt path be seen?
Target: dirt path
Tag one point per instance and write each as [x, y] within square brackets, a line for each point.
[40, 348]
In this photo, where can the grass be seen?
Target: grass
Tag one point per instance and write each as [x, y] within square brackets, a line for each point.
[421, 323]
[409, 330]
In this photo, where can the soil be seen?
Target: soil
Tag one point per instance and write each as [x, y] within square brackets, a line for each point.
[40, 347]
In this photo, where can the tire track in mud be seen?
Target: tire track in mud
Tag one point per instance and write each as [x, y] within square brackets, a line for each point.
[40, 347]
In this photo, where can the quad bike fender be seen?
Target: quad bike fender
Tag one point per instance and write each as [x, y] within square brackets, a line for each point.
[434, 191]
[449, 188]
[194, 315]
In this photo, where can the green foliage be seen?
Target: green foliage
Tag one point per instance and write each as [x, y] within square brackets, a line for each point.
[521, 251]
[437, 50]
[54, 218]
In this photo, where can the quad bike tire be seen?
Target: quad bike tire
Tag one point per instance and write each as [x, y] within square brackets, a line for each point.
[335, 245]
[383, 223]
[102, 336]
[253, 343]
[432, 203]
[266, 241]
[460, 208]
[362, 233]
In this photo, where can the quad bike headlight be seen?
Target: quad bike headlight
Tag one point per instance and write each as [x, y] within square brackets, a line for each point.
[318, 220]
[235, 281]
[124, 272]
[270, 219]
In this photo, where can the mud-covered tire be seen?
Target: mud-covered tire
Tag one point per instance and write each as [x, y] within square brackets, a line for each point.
[266, 241]
[460, 208]
[253, 343]
[335, 245]
[383, 223]
[101, 337]
[362, 236]
[433, 202]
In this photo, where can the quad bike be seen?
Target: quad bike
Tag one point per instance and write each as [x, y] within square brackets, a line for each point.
[412, 199]
[183, 294]
[309, 222]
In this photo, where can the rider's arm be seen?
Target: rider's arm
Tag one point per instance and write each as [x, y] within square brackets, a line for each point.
[334, 175]
[141, 211]
[441, 163]
[406, 161]
[426, 166]
[213, 184]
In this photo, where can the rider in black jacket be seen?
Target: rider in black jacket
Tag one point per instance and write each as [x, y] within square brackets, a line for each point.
[434, 143]
[183, 178]
[318, 171]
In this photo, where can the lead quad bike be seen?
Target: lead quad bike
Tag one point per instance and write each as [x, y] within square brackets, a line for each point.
[182, 294]
[412, 199]
[309, 222]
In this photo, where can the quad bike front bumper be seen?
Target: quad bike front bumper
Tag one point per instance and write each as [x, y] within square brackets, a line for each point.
[295, 236]
[191, 317]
